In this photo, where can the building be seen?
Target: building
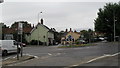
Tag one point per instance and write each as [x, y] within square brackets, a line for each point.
[8, 33]
[1, 24]
[69, 37]
[41, 33]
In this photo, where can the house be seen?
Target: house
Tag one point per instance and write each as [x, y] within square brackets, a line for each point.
[8, 33]
[69, 37]
[41, 33]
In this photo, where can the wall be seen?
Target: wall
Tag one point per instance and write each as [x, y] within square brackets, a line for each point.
[74, 35]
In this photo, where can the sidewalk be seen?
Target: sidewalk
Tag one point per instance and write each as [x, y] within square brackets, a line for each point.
[14, 60]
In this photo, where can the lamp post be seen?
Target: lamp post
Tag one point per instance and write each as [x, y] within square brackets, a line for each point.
[38, 24]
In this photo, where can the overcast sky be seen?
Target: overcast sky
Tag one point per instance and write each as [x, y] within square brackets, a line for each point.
[58, 15]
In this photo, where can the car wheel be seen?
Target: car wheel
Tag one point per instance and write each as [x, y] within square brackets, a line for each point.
[5, 53]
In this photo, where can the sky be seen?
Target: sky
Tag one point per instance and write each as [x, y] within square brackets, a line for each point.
[58, 15]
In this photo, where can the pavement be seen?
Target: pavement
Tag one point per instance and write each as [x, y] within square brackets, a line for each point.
[53, 56]
[13, 60]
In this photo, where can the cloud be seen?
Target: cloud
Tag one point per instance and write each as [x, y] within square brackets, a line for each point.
[61, 0]
[60, 15]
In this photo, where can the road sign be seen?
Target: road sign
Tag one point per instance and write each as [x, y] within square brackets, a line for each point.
[20, 28]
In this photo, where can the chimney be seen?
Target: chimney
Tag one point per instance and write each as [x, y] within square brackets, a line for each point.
[75, 31]
[70, 29]
[66, 30]
[41, 21]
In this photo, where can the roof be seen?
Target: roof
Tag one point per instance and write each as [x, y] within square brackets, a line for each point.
[64, 34]
[42, 26]
[13, 30]
[8, 30]
[27, 30]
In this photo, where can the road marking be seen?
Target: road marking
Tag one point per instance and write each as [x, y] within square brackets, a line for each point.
[20, 63]
[6, 58]
[97, 58]
[58, 53]
[107, 55]
[31, 55]
[115, 54]
[49, 54]
[75, 65]
[23, 61]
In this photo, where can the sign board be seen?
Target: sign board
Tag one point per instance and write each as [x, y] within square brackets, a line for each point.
[20, 28]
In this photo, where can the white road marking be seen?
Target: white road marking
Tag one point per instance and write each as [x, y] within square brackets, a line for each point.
[58, 53]
[75, 65]
[6, 58]
[23, 61]
[105, 55]
[49, 54]
[20, 62]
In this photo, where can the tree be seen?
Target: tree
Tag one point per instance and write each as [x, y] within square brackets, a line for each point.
[15, 26]
[25, 24]
[104, 23]
[87, 35]
[5, 26]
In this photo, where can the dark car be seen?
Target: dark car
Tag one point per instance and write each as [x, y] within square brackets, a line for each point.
[23, 44]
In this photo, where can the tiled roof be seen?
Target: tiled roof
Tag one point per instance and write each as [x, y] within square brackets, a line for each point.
[27, 30]
[14, 30]
[42, 26]
[8, 30]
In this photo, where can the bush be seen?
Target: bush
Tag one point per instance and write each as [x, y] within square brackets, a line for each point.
[77, 42]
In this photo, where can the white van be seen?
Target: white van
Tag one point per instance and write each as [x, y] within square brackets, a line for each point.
[8, 46]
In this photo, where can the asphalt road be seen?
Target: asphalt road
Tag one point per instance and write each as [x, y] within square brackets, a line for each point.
[53, 56]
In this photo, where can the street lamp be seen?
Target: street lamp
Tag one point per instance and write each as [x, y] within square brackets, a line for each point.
[38, 16]
[38, 24]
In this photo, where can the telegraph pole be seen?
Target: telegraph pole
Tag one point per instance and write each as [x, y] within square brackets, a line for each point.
[114, 25]
[17, 45]
[20, 28]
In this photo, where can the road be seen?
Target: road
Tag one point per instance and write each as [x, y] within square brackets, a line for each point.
[53, 56]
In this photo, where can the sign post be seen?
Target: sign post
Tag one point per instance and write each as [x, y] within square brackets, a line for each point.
[20, 28]
[17, 46]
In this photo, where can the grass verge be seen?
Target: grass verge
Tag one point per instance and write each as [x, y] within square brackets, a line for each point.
[79, 45]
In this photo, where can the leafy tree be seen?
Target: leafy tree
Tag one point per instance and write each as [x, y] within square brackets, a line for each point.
[25, 24]
[104, 23]
[87, 35]
[5, 26]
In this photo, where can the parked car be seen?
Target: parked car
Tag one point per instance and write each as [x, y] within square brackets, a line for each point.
[83, 41]
[8, 46]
